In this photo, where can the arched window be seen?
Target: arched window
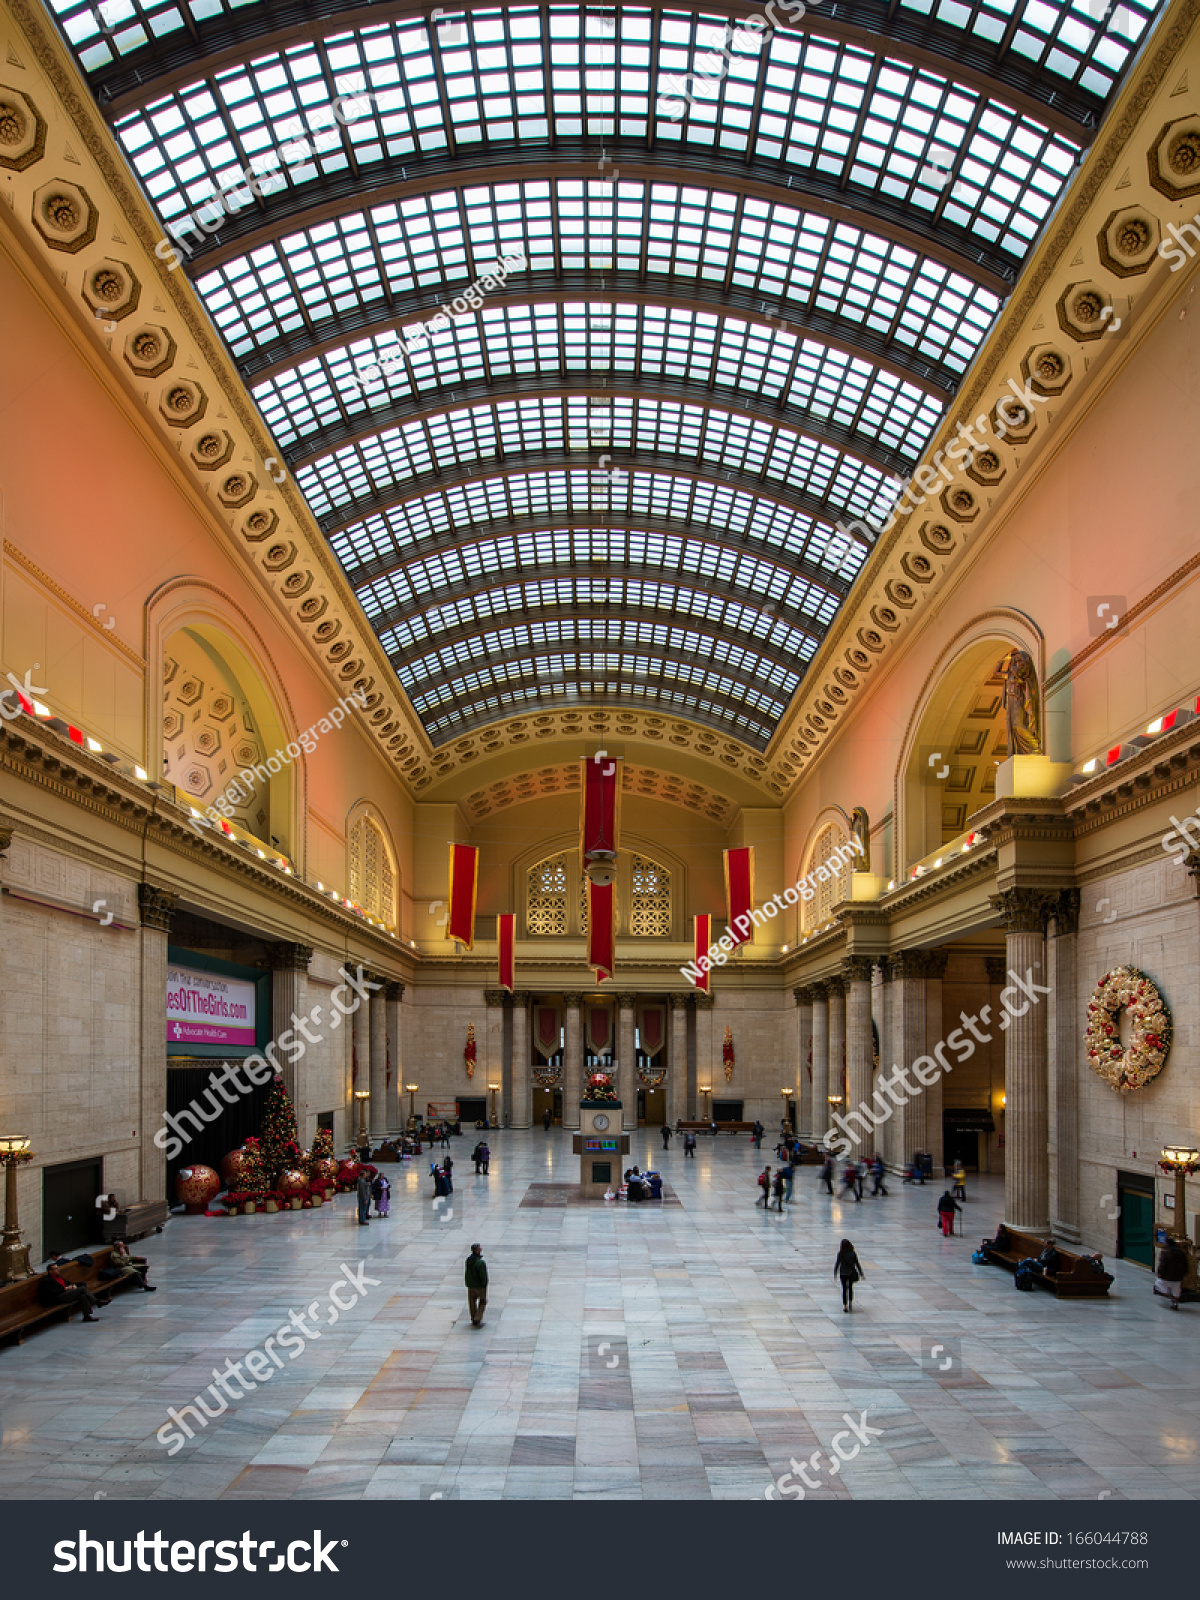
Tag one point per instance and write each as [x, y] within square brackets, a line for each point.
[830, 885]
[546, 896]
[372, 875]
[650, 899]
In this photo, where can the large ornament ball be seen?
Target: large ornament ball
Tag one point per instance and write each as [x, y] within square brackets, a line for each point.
[233, 1167]
[195, 1187]
[293, 1183]
[325, 1170]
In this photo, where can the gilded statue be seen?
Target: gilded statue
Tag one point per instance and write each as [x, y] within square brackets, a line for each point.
[1022, 708]
[860, 835]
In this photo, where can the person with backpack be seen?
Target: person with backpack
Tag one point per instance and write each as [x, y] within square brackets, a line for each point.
[848, 1268]
[477, 1157]
[764, 1184]
[689, 1145]
[877, 1172]
[946, 1207]
[851, 1181]
[777, 1189]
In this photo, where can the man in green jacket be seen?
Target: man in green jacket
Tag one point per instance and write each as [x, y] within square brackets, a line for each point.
[476, 1278]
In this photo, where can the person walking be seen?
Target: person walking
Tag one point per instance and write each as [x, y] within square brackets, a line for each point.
[1172, 1270]
[959, 1190]
[848, 1268]
[827, 1174]
[448, 1169]
[788, 1173]
[364, 1200]
[689, 1145]
[764, 1184]
[860, 1172]
[382, 1191]
[547, 1119]
[666, 1136]
[757, 1135]
[877, 1172]
[477, 1157]
[850, 1182]
[777, 1189]
[486, 1151]
[476, 1279]
[947, 1206]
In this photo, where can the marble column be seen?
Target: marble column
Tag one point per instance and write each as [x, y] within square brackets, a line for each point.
[289, 1003]
[1064, 1069]
[522, 1076]
[360, 1060]
[493, 1050]
[1026, 1063]
[820, 1053]
[377, 1117]
[702, 1064]
[908, 999]
[677, 1062]
[836, 990]
[627, 1078]
[156, 907]
[856, 972]
[393, 994]
[804, 1093]
[572, 1060]
[996, 968]
[887, 1133]
[935, 1091]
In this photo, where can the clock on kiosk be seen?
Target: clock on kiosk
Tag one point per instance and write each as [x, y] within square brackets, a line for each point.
[601, 1140]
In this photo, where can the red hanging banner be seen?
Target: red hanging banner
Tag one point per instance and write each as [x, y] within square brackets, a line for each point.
[703, 942]
[652, 1027]
[464, 878]
[739, 892]
[600, 807]
[547, 1028]
[601, 953]
[506, 938]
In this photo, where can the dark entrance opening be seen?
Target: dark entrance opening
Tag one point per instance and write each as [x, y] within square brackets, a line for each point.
[70, 1218]
[472, 1111]
[1135, 1220]
[727, 1111]
[228, 1129]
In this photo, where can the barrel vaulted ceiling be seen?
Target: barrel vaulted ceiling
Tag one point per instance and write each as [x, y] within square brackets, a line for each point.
[636, 475]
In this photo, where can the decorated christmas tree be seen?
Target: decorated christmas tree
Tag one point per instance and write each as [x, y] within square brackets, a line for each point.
[252, 1174]
[280, 1152]
[322, 1150]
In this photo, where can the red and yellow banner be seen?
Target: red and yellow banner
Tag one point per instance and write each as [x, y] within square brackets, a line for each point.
[601, 943]
[464, 883]
[652, 1027]
[600, 806]
[739, 892]
[547, 1027]
[598, 1030]
[506, 939]
[703, 942]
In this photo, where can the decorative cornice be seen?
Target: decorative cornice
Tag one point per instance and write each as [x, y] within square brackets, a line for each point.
[1024, 910]
[1066, 913]
[156, 907]
[857, 969]
[289, 957]
[82, 614]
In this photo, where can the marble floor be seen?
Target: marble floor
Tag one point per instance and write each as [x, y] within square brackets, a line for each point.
[632, 1352]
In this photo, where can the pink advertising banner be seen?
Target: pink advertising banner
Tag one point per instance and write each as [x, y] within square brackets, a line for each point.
[205, 1008]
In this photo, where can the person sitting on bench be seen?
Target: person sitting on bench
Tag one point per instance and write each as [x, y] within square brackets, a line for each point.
[122, 1265]
[56, 1291]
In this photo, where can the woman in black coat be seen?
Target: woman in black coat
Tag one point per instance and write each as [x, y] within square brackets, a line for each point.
[848, 1268]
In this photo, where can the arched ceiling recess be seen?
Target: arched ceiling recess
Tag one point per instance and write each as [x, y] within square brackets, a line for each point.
[739, 316]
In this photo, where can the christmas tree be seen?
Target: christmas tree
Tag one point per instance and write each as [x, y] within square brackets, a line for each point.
[322, 1150]
[280, 1152]
[252, 1176]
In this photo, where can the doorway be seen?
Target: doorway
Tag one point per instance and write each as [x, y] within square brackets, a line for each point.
[652, 1106]
[727, 1111]
[472, 1110]
[544, 1100]
[70, 1219]
[1135, 1220]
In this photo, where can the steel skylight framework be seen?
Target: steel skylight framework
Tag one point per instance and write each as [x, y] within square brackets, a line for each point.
[738, 313]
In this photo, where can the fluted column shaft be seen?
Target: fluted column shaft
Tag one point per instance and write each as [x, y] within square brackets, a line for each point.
[820, 1054]
[1064, 1069]
[934, 1034]
[677, 1062]
[857, 974]
[377, 1110]
[522, 1078]
[572, 1060]
[1026, 1066]
[908, 998]
[156, 907]
[837, 1037]
[393, 994]
[804, 1091]
[888, 1135]
[627, 1078]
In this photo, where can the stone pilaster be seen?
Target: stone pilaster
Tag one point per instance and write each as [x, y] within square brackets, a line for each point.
[677, 1062]
[820, 1053]
[703, 1063]
[1026, 1065]
[856, 973]
[1064, 1069]
[522, 1077]
[493, 1052]
[835, 989]
[572, 1060]
[156, 907]
[393, 994]
[887, 1135]
[289, 1004]
[909, 968]
[804, 1092]
[935, 1091]
[377, 1109]
[360, 1058]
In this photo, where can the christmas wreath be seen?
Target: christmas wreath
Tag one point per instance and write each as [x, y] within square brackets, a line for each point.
[1126, 988]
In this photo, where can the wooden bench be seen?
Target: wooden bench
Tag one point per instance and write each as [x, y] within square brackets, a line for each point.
[1077, 1275]
[136, 1221]
[21, 1306]
[707, 1127]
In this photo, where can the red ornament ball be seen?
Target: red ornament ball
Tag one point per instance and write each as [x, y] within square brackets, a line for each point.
[195, 1187]
[292, 1183]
